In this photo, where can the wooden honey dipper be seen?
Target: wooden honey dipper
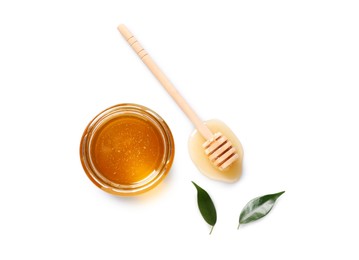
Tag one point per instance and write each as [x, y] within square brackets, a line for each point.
[217, 147]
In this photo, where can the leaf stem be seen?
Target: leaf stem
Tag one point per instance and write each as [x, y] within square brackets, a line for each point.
[211, 230]
[238, 225]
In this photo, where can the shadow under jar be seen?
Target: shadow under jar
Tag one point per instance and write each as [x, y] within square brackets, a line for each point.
[127, 149]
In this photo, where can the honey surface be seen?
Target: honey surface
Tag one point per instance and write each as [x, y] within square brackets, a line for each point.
[127, 149]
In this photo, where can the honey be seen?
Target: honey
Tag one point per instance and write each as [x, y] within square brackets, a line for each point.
[200, 159]
[127, 149]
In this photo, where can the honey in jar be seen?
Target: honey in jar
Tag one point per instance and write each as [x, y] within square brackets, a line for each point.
[127, 149]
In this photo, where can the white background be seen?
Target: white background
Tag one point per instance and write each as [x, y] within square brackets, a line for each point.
[284, 75]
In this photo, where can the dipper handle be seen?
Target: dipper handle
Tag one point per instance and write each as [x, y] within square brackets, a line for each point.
[166, 83]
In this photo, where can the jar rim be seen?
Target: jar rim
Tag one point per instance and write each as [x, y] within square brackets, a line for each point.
[150, 181]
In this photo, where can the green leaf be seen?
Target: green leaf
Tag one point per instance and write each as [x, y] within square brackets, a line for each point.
[258, 208]
[206, 206]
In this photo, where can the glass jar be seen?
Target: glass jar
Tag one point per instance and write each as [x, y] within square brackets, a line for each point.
[127, 149]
